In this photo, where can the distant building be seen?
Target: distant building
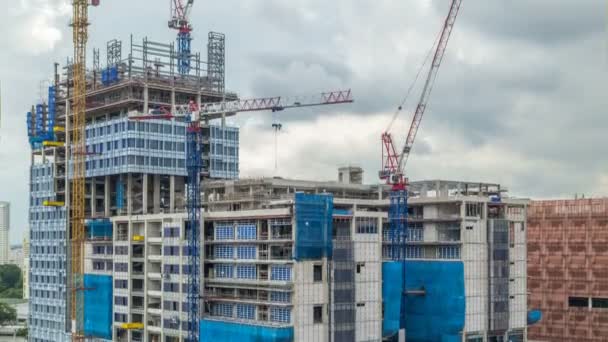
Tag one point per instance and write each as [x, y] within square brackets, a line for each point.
[16, 256]
[568, 269]
[5, 211]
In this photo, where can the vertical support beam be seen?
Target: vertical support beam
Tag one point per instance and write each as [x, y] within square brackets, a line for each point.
[144, 201]
[171, 194]
[129, 194]
[93, 196]
[107, 196]
[156, 197]
[146, 98]
[172, 99]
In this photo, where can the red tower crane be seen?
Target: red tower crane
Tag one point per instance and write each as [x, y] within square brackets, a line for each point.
[393, 163]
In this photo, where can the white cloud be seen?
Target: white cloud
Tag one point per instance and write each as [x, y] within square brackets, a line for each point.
[40, 25]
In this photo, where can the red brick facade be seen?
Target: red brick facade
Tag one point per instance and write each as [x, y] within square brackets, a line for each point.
[568, 264]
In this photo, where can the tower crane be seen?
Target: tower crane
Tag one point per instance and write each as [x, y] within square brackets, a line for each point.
[194, 115]
[77, 154]
[393, 162]
[180, 21]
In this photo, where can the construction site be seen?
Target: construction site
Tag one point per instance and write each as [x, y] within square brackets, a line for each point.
[141, 228]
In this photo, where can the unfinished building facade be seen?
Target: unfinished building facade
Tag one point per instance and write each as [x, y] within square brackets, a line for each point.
[567, 269]
[271, 272]
[134, 166]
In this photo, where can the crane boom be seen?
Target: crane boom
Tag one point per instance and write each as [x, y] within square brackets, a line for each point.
[275, 104]
[428, 85]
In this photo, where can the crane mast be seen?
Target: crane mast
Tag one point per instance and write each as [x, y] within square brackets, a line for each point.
[393, 163]
[180, 21]
[80, 25]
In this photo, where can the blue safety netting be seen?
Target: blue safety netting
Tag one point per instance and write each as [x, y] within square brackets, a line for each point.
[120, 189]
[99, 229]
[534, 316]
[313, 215]
[98, 306]
[392, 287]
[436, 316]
[215, 331]
[109, 75]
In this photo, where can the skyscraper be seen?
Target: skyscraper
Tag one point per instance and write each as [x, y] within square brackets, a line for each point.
[5, 210]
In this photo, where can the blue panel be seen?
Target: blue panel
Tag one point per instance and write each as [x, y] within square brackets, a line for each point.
[313, 215]
[392, 284]
[342, 212]
[99, 229]
[98, 306]
[534, 316]
[50, 123]
[120, 188]
[39, 120]
[215, 331]
[437, 316]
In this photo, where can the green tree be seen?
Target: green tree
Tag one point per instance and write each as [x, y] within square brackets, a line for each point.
[11, 283]
[8, 314]
[23, 332]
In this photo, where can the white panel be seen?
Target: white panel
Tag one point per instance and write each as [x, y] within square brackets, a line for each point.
[367, 331]
[430, 232]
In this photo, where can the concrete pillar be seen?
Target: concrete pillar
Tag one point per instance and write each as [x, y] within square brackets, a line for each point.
[172, 100]
[171, 194]
[129, 194]
[146, 99]
[107, 197]
[144, 200]
[156, 196]
[93, 197]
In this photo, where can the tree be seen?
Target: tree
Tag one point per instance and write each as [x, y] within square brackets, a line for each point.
[11, 283]
[8, 314]
[10, 276]
[23, 332]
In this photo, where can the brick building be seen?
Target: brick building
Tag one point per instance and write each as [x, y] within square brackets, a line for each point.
[568, 269]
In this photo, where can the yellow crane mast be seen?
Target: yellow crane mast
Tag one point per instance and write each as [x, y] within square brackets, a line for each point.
[77, 154]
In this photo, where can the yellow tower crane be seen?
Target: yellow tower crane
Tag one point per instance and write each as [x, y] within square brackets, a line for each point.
[77, 153]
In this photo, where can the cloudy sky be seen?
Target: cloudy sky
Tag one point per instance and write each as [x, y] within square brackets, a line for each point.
[520, 99]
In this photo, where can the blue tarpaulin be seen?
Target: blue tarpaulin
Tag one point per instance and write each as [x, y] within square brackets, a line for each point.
[534, 316]
[391, 295]
[436, 316]
[98, 306]
[313, 215]
[99, 229]
[216, 331]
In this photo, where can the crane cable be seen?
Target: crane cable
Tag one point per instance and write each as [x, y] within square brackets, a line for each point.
[411, 87]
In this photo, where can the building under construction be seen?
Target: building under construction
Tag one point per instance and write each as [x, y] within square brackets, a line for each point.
[280, 259]
[132, 166]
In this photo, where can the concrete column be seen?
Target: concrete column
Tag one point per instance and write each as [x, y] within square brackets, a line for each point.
[144, 200]
[172, 100]
[93, 197]
[172, 194]
[156, 196]
[129, 194]
[107, 197]
[146, 99]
